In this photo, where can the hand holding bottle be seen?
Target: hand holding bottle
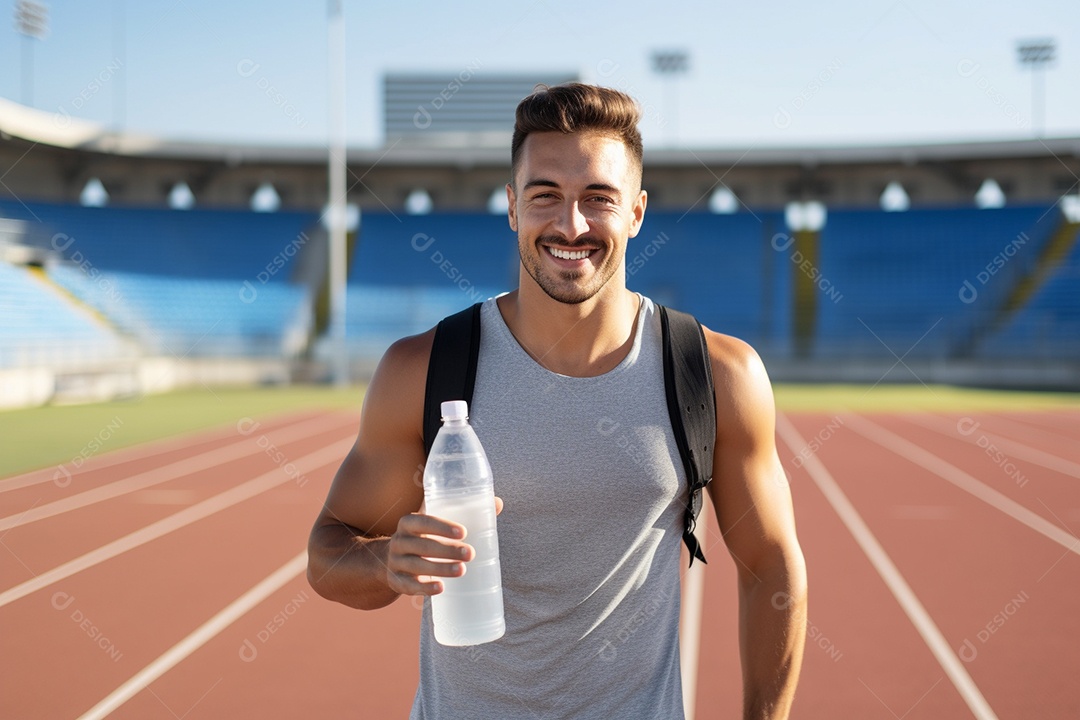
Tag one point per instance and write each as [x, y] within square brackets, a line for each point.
[425, 548]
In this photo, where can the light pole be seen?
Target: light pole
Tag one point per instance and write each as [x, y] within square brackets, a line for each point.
[669, 64]
[32, 22]
[119, 41]
[1036, 55]
[338, 272]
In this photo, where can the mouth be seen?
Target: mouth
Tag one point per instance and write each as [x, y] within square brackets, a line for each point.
[569, 254]
[570, 257]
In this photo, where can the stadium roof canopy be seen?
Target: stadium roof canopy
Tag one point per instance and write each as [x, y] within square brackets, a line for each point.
[461, 170]
[64, 131]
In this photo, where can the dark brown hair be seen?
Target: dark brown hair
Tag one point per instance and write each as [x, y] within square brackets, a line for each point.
[575, 107]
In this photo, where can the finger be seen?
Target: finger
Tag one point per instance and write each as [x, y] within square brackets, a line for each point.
[498, 504]
[410, 585]
[417, 524]
[431, 547]
[417, 567]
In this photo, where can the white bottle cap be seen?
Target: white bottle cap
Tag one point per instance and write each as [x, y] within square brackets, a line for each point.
[455, 410]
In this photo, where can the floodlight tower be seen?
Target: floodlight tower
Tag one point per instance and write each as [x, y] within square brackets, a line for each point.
[1036, 55]
[32, 22]
[669, 64]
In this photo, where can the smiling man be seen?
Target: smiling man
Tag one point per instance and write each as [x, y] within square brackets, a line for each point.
[570, 405]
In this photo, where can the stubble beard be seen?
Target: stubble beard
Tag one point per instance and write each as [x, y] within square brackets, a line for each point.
[564, 287]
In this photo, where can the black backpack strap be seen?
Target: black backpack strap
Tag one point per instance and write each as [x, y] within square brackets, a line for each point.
[451, 368]
[691, 404]
[688, 385]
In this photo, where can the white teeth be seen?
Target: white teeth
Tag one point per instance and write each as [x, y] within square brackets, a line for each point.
[569, 254]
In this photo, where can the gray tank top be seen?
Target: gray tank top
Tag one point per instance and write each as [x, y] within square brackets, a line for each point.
[589, 540]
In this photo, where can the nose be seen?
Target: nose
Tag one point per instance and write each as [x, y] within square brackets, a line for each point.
[572, 223]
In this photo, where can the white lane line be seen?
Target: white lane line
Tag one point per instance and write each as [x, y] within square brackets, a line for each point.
[244, 447]
[896, 583]
[1054, 431]
[309, 463]
[203, 634]
[141, 451]
[1012, 447]
[693, 602]
[947, 471]
[1014, 423]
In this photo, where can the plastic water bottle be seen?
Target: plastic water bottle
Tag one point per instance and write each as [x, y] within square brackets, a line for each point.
[458, 487]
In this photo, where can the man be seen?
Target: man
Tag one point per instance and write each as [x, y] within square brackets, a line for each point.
[570, 405]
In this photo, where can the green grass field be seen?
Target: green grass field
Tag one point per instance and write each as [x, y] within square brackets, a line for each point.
[50, 435]
[913, 398]
[46, 436]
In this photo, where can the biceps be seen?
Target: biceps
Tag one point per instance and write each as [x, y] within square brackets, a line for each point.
[373, 490]
[753, 507]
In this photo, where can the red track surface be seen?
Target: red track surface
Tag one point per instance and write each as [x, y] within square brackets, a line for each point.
[1001, 594]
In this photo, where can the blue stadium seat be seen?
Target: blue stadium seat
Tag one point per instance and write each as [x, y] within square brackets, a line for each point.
[720, 268]
[224, 244]
[209, 282]
[411, 271]
[175, 280]
[38, 325]
[191, 316]
[1048, 326]
[901, 276]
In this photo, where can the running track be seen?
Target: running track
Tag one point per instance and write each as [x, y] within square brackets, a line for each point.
[166, 581]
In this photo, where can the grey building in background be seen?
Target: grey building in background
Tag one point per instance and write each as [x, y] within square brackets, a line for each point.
[471, 106]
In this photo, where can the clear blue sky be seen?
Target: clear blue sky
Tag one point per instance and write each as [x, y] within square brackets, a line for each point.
[761, 74]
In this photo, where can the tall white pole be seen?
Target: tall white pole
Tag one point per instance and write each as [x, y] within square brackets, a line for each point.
[28, 71]
[32, 22]
[1038, 100]
[120, 56]
[336, 205]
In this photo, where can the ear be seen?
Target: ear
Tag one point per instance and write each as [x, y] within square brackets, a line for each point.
[512, 210]
[638, 213]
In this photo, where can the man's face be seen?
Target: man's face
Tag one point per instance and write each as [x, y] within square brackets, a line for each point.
[574, 203]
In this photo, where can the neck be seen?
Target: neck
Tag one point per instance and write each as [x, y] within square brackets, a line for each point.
[582, 340]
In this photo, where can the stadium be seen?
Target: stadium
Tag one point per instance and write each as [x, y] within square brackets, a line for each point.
[965, 285]
[176, 362]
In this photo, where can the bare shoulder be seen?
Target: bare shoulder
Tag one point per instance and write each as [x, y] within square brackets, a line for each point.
[378, 482]
[393, 410]
[743, 390]
[400, 377]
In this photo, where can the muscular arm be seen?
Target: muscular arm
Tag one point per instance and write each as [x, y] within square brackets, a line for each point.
[754, 511]
[369, 543]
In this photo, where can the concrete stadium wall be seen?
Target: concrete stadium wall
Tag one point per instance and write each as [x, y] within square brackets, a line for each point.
[35, 386]
[1016, 374]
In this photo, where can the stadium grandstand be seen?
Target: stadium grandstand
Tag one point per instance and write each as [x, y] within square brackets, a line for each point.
[133, 264]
